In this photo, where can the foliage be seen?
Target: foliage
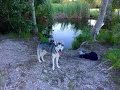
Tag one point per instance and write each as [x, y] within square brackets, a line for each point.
[72, 9]
[92, 3]
[114, 57]
[44, 15]
[38, 2]
[116, 18]
[110, 37]
[56, 1]
[116, 4]
[85, 36]
[105, 36]
[16, 14]
[116, 34]
[42, 38]
[94, 13]
[25, 35]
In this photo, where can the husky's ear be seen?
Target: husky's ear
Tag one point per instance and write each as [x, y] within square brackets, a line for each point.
[62, 43]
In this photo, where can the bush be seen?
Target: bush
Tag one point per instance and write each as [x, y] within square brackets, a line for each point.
[110, 37]
[75, 9]
[116, 34]
[105, 36]
[85, 36]
[42, 38]
[94, 13]
[14, 14]
[114, 56]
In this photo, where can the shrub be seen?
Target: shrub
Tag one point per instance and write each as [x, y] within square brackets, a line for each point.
[76, 8]
[114, 56]
[42, 38]
[110, 37]
[94, 13]
[85, 36]
[105, 36]
[116, 34]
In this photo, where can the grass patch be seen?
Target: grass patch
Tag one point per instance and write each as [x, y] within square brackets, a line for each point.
[113, 55]
[85, 36]
[77, 8]
[94, 13]
[105, 36]
[42, 38]
[110, 37]
[25, 35]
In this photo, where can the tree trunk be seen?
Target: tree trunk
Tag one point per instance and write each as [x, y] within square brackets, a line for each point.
[35, 30]
[108, 17]
[99, 23]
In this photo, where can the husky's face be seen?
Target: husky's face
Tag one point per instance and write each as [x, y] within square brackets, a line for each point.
[59, 47]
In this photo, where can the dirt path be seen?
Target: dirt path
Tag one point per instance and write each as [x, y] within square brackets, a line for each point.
[20, 70]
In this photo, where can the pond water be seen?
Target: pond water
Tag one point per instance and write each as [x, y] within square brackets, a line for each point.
[67, 32]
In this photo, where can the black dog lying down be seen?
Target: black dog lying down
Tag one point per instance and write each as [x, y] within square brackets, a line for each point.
[92, 55]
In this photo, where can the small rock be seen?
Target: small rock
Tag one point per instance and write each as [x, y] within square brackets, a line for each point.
[23, 74]
[88, 87]
[45, 71]
[99, 88]
[54, 82]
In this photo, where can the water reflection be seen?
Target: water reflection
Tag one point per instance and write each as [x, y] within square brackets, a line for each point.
[65, 33]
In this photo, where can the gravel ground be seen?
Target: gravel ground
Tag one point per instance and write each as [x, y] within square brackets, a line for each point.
[20, 70]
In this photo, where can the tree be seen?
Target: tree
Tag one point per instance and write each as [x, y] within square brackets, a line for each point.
[35, 30]
[99, 23]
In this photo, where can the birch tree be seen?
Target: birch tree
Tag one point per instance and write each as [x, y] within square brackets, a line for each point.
[99, 23]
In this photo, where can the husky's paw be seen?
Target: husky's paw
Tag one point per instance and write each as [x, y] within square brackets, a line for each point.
[53, 68]
[43, 60]
[40, 61]
[58, 66]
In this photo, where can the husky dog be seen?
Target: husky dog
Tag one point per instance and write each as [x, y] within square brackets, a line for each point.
[55, 48]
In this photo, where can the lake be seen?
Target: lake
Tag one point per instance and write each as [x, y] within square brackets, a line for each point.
[67, 32]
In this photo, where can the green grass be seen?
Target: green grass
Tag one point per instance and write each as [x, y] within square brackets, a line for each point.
[25, 35]
[105, 36]
[85, 36]
[42, 38]
[110, 36]
[72, 9]
[94, 13]
[114, 56]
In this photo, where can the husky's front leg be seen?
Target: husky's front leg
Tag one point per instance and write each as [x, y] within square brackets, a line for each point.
[42, 59]
[57, 58]
[42, 55]
[53, 61]
[38, 55]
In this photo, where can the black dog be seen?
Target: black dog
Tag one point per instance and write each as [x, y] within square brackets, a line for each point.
[92, 56]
